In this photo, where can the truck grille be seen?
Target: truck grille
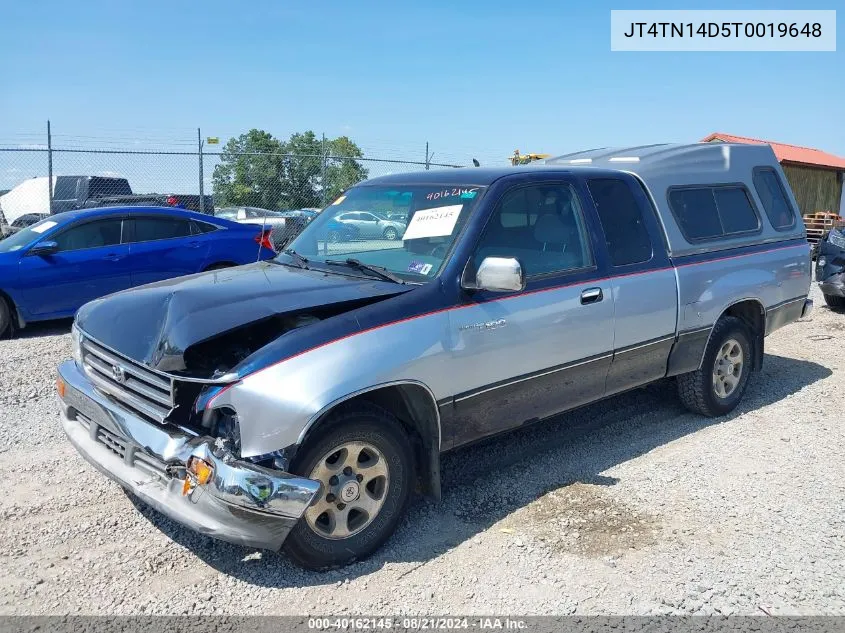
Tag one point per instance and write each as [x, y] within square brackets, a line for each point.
[133, 457]
[132, 385]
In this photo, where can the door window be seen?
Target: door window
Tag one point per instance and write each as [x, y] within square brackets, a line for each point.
[540, 225]
[152, 229]
[621, 218]
[90, 235]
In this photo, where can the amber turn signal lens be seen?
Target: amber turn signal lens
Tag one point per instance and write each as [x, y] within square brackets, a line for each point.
[60, 387]
[187, 486]
[201, 470]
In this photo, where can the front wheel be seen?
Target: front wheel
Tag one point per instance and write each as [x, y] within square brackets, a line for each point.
[719, 384]
[365, 464]
[333, 237]
[835, 302]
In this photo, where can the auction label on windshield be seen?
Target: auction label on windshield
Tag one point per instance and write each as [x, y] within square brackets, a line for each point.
[435, 222]
[723, 30]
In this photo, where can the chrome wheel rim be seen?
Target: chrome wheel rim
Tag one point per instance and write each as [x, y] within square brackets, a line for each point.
[727, 369]
[390, 234]
[355, 479]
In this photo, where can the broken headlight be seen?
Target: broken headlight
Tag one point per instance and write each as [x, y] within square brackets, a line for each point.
[227, 430]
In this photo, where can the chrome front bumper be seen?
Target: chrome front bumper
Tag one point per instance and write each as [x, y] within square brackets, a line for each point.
[242, 503]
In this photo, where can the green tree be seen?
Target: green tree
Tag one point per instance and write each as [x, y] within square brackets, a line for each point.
[250, 172]
[342, 170]
[257, 169]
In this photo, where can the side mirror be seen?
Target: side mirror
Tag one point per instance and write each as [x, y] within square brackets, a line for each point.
[44, 248]
[499, 274]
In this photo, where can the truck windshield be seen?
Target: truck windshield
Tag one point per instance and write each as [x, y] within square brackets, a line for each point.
[406, 230]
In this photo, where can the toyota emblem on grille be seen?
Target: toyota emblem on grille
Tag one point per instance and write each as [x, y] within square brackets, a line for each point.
[118, 373]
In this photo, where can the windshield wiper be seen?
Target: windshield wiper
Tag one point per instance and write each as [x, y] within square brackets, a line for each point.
[358, 264]
[298, 260]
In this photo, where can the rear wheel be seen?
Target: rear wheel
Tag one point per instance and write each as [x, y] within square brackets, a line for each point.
[333, 237]
[835, 302]
[365, 464]
[390, 233]
[718, 386]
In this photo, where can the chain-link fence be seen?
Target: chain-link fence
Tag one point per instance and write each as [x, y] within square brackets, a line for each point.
[280, 189]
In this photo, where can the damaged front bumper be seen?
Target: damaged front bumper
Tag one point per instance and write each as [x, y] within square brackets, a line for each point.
[242, 503]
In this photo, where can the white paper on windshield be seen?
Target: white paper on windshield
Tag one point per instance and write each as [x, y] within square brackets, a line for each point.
[435, 222]
[43, 226]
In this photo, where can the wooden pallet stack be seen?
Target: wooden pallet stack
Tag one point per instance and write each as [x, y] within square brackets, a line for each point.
[818, 224]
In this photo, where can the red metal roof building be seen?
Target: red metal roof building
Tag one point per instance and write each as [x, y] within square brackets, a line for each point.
[817, 178]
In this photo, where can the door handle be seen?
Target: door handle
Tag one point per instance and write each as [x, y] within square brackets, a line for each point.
[113, 257]
[591, 295]
[194, 244]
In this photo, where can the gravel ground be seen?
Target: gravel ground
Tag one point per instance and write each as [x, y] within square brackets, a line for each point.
[630, 506]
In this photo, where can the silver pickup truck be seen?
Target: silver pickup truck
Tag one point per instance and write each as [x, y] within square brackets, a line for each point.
[298, 403]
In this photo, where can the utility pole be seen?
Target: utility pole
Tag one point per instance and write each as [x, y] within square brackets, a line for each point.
[426, 156]
[49, 167]
[323, 177]
[199, 153]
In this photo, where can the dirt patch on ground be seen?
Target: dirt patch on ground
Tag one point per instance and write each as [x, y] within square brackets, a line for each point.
[584, 519]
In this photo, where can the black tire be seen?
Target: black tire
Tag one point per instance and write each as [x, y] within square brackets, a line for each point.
[837, 303]
[371, 425]
[333, 237]
[5, 318]
[697, 389]
[390, 233]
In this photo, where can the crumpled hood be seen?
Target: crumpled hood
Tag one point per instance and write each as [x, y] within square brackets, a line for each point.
[156, 323]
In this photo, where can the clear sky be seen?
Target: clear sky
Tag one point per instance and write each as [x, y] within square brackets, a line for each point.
[473, 78]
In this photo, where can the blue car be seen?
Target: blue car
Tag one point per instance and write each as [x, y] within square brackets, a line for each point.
[50, 269]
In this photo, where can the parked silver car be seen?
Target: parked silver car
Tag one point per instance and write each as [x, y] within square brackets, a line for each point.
[372, 226]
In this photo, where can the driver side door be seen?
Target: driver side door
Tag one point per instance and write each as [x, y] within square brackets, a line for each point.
[526, 355]
[91, 262]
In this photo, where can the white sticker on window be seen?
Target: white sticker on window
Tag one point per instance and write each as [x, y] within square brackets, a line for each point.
[435, 222]
[43, 226]
[426, 269]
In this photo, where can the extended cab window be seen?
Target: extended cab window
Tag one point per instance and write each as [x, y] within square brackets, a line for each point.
[150, 229]
[771, 193]
[90, 235]
[711, 212]
[627, 238]
[540, 225]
